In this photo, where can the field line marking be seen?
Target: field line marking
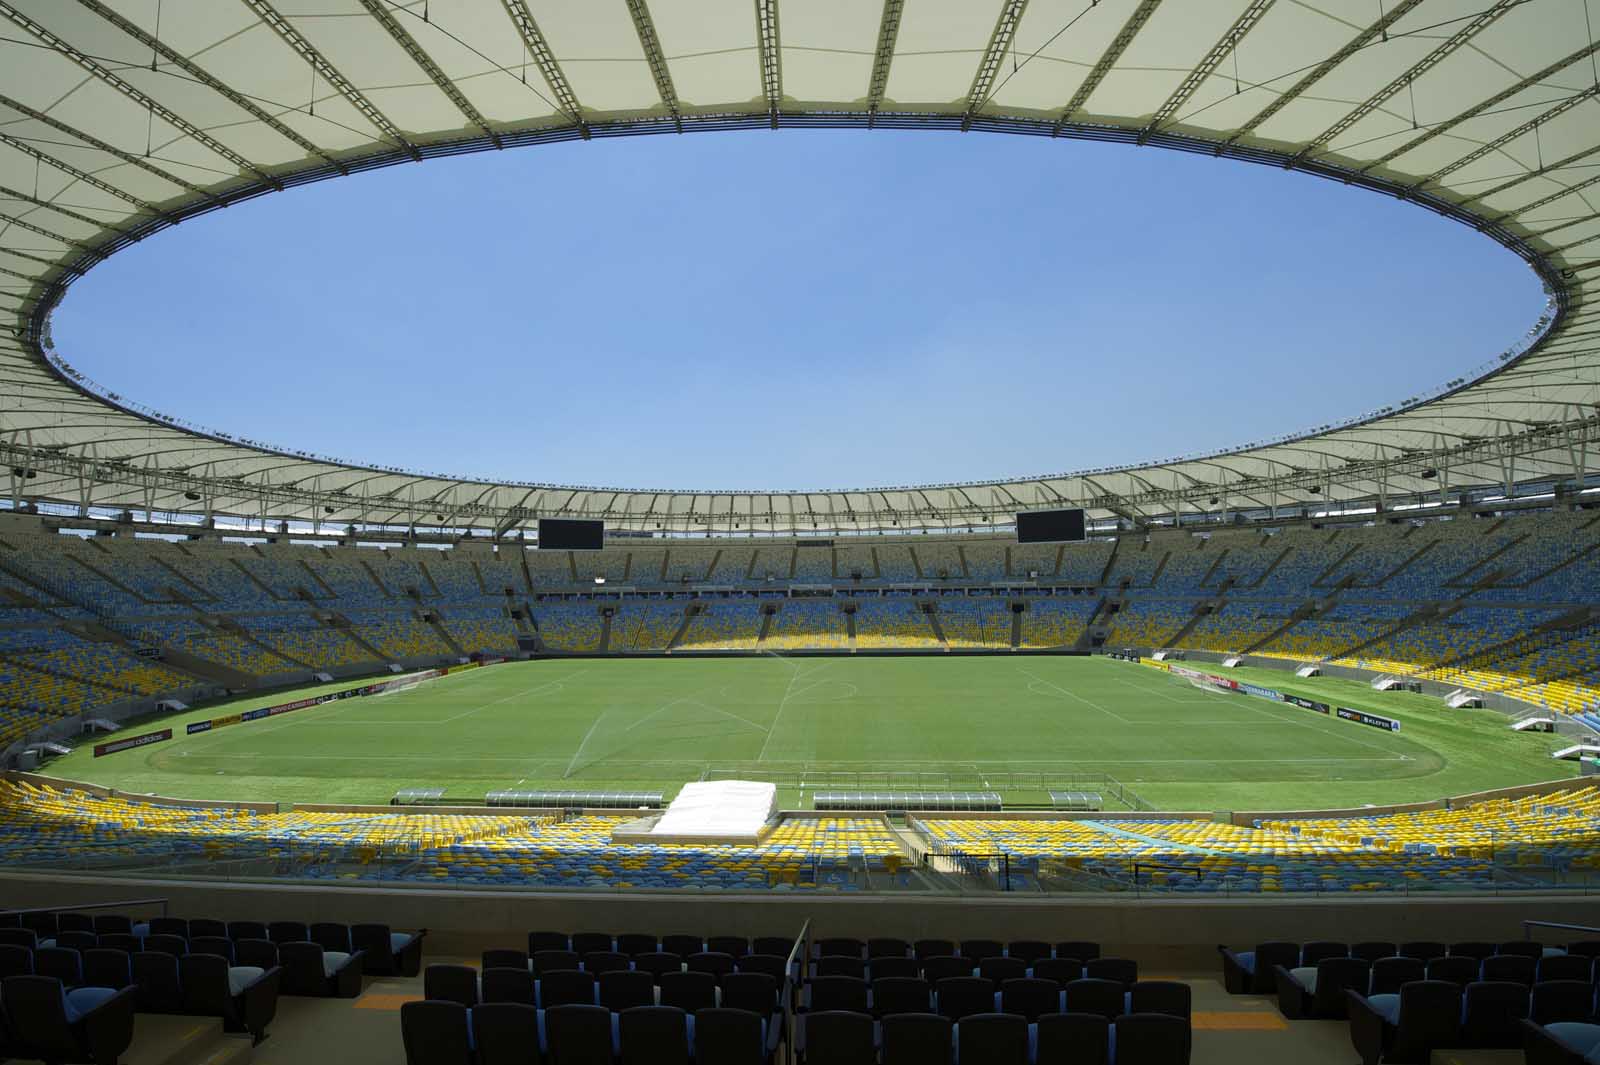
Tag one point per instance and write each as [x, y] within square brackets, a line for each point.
[559, 681]
[1153, 691]
[787, 692]
[930, 767]
[582, 744]
[1074, 695]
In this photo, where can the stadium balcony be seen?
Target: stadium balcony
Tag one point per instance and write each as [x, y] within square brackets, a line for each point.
[734, 565]
[938, 561]
[895, 563]
[690, 565]
[813, 565]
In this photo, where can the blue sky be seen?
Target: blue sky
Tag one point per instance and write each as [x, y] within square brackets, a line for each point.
[794, 310]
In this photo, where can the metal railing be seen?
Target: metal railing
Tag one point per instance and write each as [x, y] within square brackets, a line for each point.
[121, 904]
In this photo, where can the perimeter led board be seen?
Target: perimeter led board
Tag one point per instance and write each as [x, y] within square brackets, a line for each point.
[565, 534]
[1050, 526]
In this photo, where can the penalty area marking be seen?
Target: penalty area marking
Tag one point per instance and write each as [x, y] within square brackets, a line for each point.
[1074, 695]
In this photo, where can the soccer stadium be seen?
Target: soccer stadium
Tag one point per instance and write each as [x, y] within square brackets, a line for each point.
[1282, 750]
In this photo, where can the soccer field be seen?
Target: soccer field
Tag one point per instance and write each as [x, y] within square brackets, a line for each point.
[1019, 724]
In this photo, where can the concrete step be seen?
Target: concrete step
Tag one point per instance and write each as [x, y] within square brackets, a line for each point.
[166, 1040]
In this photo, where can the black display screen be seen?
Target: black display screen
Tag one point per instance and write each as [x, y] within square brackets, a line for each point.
[565, 534]
[1050, 526]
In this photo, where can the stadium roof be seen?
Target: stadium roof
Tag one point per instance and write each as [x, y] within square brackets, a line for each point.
[119, 118]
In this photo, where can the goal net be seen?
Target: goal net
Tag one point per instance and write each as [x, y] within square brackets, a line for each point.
[403, 684]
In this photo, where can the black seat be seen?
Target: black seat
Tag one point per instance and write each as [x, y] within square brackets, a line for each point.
[715, 962]
[592, 942]
[245, 998]
[1151, 1039]
[756, 992]
[79, 941]
[1089, 995]
[549, 961]
[1082, 949]
[262, 953]
[451, 983]
[1390, 974]
[1073, 1039]
[578, 1034]
[112, 922]
[436, 1033]
[506, 1033]
[63, 964]
[166, 945]
[979, 949]
[26, 938]
[993, 1038]
[205, 926]
[840, 965]
[1062, 970]
[385, 952]
[606, 961]
[73, 922]
[1123, 970]
[1030, 997]
[1564, 967]
[961, 996]
[1472, 948]
[1527, 948]
[684, 945]
[221, 946]
[1459, 969]
[998, 968]
[1317, 949]
[1426, 1015]
[654, 1035]
[840, 1037]
[1029, 950]
[1587, 948]
[890, 965]
[1492, 1013]
[883, 947]
[838, 993]
[331, 936]
[924, 949]
[1254, 972]
[242, 930]
[538, 941]
[1421, 949]
[289, 932]
[731, 1037]
[126, 942]
[15, 960]
[91, 1024]
[917, 1039]
[1560, 1000]
[1373, 949]
[1160, 996]
[155, 978]
[841, 947]
[566, 987]
[766, 945]
[107, 968]
[690, 992]
[735, 946]
[500, 958]
[944, 966]
[1512, 968]
[901, 994]
[661, 962]
[632, 943]
[508, 985]
[624, 989]
[770, 964]
[1319, 992]
[309, 970]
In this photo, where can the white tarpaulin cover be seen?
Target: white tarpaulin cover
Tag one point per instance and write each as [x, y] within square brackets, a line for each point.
[719, 808]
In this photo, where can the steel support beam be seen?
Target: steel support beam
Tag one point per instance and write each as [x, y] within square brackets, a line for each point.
[141, 162]
[1000, 38]
[883, 57]
[645, 27]
[1108, 59]
[1192, 81]
[545, 59]
[383, 16]
[1507, 137]
[771, 56]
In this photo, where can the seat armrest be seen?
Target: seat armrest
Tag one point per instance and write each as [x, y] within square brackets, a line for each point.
[258, 1004]
[1369, 1030]
[108, 1028]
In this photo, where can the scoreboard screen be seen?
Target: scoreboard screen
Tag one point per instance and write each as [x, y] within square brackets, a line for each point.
[565, 534]
[1050, 526]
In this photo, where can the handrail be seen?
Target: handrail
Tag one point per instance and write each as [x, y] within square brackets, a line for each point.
[799, 953]
[88, 906]
[1557, 925]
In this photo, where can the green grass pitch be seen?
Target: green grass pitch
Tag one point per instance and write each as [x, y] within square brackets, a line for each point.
[1019, 724]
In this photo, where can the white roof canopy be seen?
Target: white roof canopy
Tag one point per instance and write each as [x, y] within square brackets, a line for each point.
[121, 117]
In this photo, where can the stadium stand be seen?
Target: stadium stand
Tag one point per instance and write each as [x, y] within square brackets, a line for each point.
[724, 625]
[806, 623]
[569, 625]
[1058, 621]
[976, 622]
[893, 623]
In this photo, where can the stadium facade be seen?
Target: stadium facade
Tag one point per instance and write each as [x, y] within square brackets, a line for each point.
[113, 128]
